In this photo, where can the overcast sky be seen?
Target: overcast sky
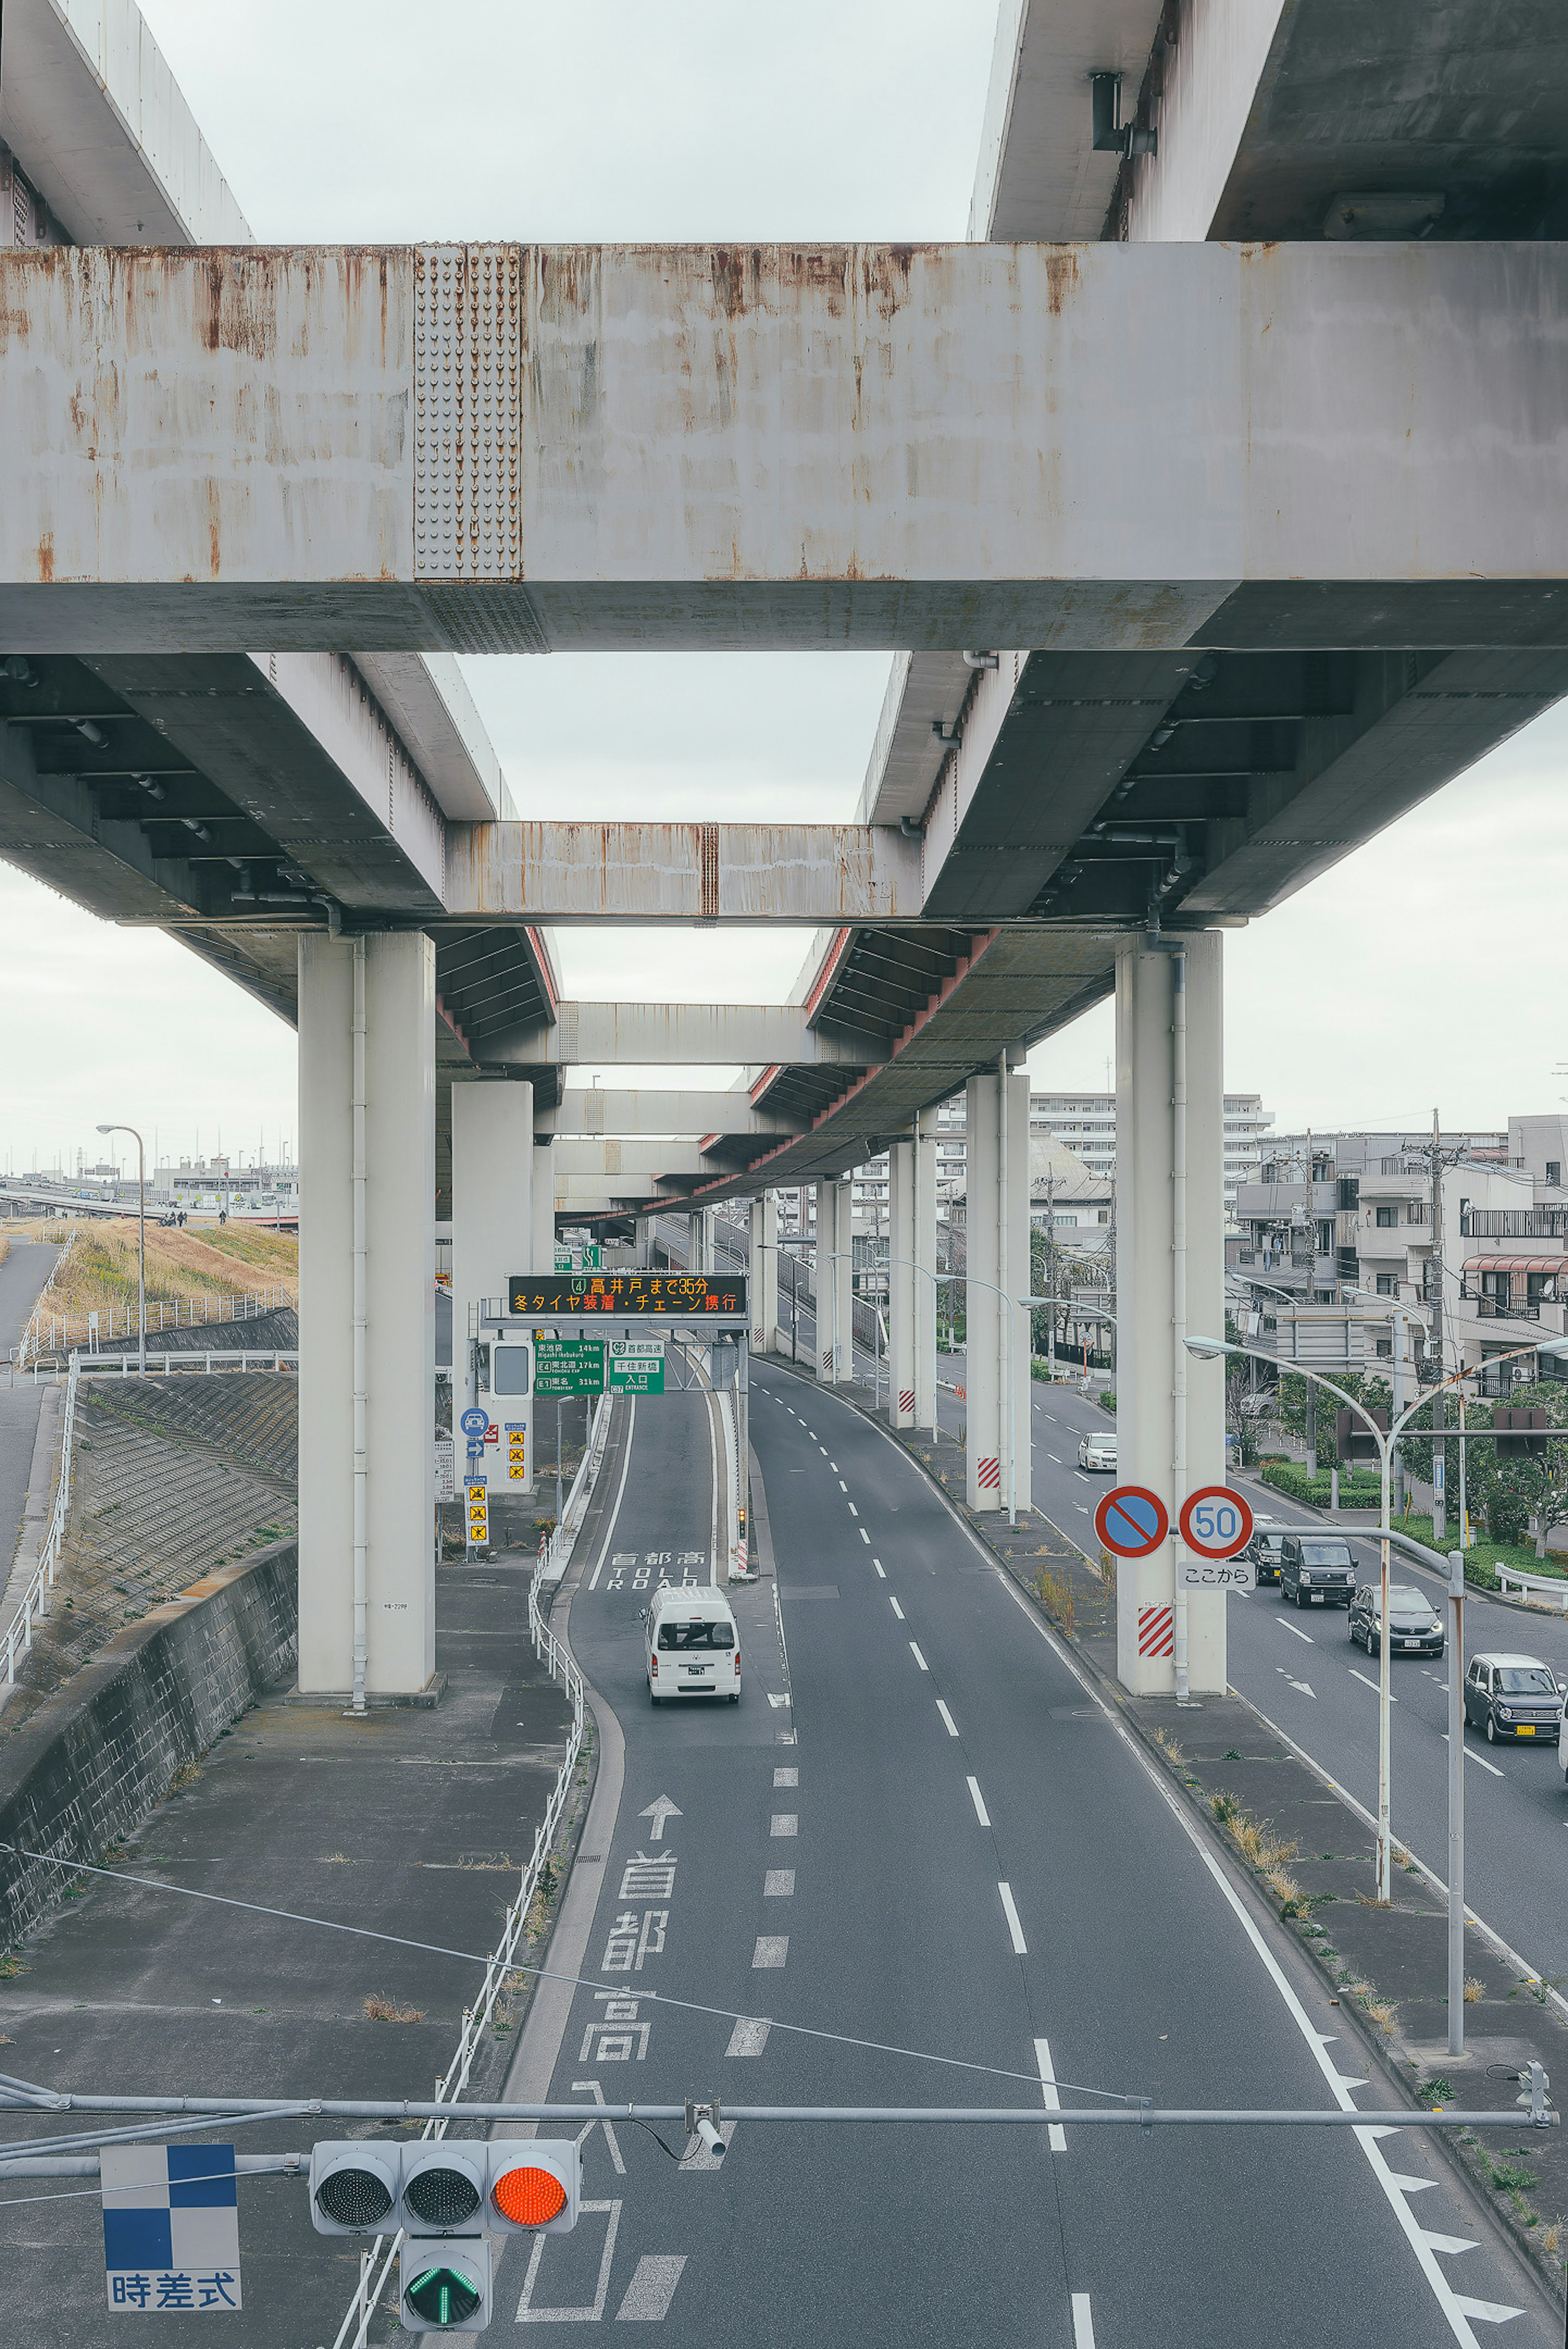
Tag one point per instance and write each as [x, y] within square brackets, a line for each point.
[1425, 970]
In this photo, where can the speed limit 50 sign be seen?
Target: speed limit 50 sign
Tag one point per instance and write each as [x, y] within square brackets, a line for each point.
[1216, 1527]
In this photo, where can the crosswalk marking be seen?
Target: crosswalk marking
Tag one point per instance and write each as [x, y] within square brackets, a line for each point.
[654, 2282]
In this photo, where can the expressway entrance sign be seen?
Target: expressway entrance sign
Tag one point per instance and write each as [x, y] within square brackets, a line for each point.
[636, 1365]
[568, 1366]
[1131, 1520]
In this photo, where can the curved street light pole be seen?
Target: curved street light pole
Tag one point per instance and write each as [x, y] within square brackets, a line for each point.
[140, 1242]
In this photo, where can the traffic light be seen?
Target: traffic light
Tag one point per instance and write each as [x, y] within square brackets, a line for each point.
[534, 2185]
[444, 2283]
[1353, 1439]
[1517, 1446]
[353, 2188]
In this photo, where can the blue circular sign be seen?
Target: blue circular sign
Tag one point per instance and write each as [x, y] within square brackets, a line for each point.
[1131, 1520]
[474, 1422]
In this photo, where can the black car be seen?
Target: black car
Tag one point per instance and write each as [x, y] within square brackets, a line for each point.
[1513, 1696]
[1263, 1550]
[1415, 1626]
[1316, 1571]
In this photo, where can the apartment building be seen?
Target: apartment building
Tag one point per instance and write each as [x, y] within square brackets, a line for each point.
[1086, 1123]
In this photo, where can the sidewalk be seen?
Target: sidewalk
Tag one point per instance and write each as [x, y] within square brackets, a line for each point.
[409, 1823]
[1311, 1854]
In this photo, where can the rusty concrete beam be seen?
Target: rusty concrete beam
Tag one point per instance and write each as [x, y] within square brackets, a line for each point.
[509, 447]
[562, 872]
[681, 1035]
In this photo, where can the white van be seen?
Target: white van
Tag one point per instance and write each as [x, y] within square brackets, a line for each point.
[692, 1646]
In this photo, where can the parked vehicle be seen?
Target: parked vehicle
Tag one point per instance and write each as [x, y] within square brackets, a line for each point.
[691, 1645]
[1512, 1696]
[1264, 1549]
[1316, 1570]
[1097, 1450]
[1414, 1625]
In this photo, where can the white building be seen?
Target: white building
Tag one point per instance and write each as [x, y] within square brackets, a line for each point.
[1086, 1123]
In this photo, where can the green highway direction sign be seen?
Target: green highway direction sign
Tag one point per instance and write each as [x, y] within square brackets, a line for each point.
[568, 1366]
[637, 1365]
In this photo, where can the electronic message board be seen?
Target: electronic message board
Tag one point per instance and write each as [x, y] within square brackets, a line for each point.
[667, 1296]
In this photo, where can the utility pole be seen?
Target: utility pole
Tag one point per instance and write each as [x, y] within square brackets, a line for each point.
[1435, 1370]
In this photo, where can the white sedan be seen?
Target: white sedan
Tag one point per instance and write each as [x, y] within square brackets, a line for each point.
[1096, 1451]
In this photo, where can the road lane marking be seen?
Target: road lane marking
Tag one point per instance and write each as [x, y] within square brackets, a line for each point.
[1020, 1946]
[880, 1570]
[779, 1884]
[1371, 1684]
[855, 1513]
[777, 1700]
[782, 1778]
[1083, 2323]
[919, 1659]
[656, 2274]
[864, 1536]
[842, 1486]
[951, 1727]
[1410, 2185]
[1449, 2244]
[785, 1823]
[1057, 1457]
[1304, 1686]
[897, 1609]
[981, 1813]
[772, 1950]
[1058, 2136]
[1294, 1631]
[748, 2038]
[1480, 1761]
[620, 1489]
[526, 2312]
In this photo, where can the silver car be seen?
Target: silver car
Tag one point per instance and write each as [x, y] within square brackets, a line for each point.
[1096, 1451]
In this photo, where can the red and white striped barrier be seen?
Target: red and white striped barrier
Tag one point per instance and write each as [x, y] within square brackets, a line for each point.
[1157, 1630]
[988, 1475]
[906, 1398]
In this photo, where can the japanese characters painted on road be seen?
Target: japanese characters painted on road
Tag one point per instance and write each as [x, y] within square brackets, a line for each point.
[170, 2228]
[1131, 1520]
[475, 1422]
[1216, 1527]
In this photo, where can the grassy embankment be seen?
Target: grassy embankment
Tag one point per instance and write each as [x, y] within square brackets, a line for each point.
[213, 1260]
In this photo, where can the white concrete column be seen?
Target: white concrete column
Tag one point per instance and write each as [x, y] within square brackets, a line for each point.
[400, 1266]
[492, 1228]
[764, 1288]
[544, 1208]
[923, 1220]
[1149, 1375]
[844, 1291]
[997, 1243]
[905, 1302]
[825, 1275]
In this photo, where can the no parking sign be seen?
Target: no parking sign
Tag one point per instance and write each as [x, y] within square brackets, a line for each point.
[1131, 1520]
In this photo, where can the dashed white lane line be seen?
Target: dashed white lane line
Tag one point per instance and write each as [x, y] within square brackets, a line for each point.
[855, 1513]
[1294, 1633]
[981, 1813]
[1372, 1685]
[1020, 1946]
[782, 1778]
[1057, 1458]
[748, 2038]
[880, 1570]
[1058, 2136]
[919, 1659]
[948, 1722]
[1480, 1760]
[772, 1950]
[1083, 2323]
[864, 1536]
[842, 1486]
[654, 2282]
[897, 1609]
[834, 1467]
[785, 1823]
[779, 1884]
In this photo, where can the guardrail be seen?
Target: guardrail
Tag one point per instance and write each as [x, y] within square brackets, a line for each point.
[34, 1598]
[497, 1966]
[173, 1313]
[555, 1552]
[1555, 1585]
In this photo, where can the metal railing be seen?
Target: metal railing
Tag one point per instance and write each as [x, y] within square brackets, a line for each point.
[376, 2264]
[114, 1321]
[555, 1550]
[1505, 1309]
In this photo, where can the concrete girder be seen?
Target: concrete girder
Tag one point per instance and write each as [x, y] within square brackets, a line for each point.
[806, 873]
[646, 1160]
[682, 1035]
[856, 445]
[605, 1109]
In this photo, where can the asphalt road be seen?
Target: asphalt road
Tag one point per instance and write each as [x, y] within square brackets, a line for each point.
[919, 1832]
[1298, 1667]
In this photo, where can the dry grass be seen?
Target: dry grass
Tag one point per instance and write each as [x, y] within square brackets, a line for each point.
[1056, 1596]
[1552, 2235]
[1474, 1990]
[184, 1777]
[385, 2010]
[1383, 2013]
[1169, 1747]
[101, 1267]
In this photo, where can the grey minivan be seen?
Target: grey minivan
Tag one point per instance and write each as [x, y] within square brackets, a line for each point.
[1317, 1570]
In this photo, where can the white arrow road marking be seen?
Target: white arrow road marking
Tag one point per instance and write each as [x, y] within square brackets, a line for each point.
[948, 1722]
[660, 1809]
[1058, 2136]
[1083, 2321]
[1480, 1760]
[1299, 1634]
[1304, 1686]
[653, 2284]
[1410, 2185]
[1447, 2243]
[1371, 1684]
[975, 1795]
[1020, 1946]
[1485, 2311]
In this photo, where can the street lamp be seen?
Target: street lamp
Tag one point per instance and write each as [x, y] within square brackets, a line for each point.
[140, 1242]
[1207, 1350]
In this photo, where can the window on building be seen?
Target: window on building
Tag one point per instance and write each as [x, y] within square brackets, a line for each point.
[1388, 1285]
[1555, 1173]
[1384, 1349]
[1386, 1218]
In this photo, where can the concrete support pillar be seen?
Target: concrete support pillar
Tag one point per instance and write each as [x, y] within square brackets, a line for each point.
[544, 1208]
[922, 1154]
[367, 1517]
[905, 1302]
[764, 1289]
[844, 1288]
[492, 1224]
[1152, 1369]
[996, 1240]
[832, 1282]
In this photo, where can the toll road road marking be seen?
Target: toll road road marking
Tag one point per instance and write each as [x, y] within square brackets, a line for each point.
[878, 1563]
[785, 1823]
[919, 1659]
[1371, 1684]
[748, 2038]
[897, 1609]
[592, 2087]
[526, 2312]
[1020, 1946]
[1304, 1686]
[777, 1700]
[1058, 2136]
[981, 1813]
[782, 1778]
[1480, 1760]
[772, 1950]
[1294, 1631]
[1083, 2323]
[948, 1722]
[779, 1884]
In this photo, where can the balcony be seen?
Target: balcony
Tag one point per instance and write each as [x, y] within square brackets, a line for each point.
[1515, 1224]
[1504, 1309]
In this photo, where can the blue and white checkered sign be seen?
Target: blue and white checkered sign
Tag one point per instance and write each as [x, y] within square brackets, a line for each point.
[170, 2227]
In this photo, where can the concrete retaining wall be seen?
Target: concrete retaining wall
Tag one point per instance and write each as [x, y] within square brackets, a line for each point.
[92, 1766]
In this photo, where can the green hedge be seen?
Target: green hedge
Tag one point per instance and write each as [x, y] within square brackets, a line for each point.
[1485, 1553]
[1288, 1476]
